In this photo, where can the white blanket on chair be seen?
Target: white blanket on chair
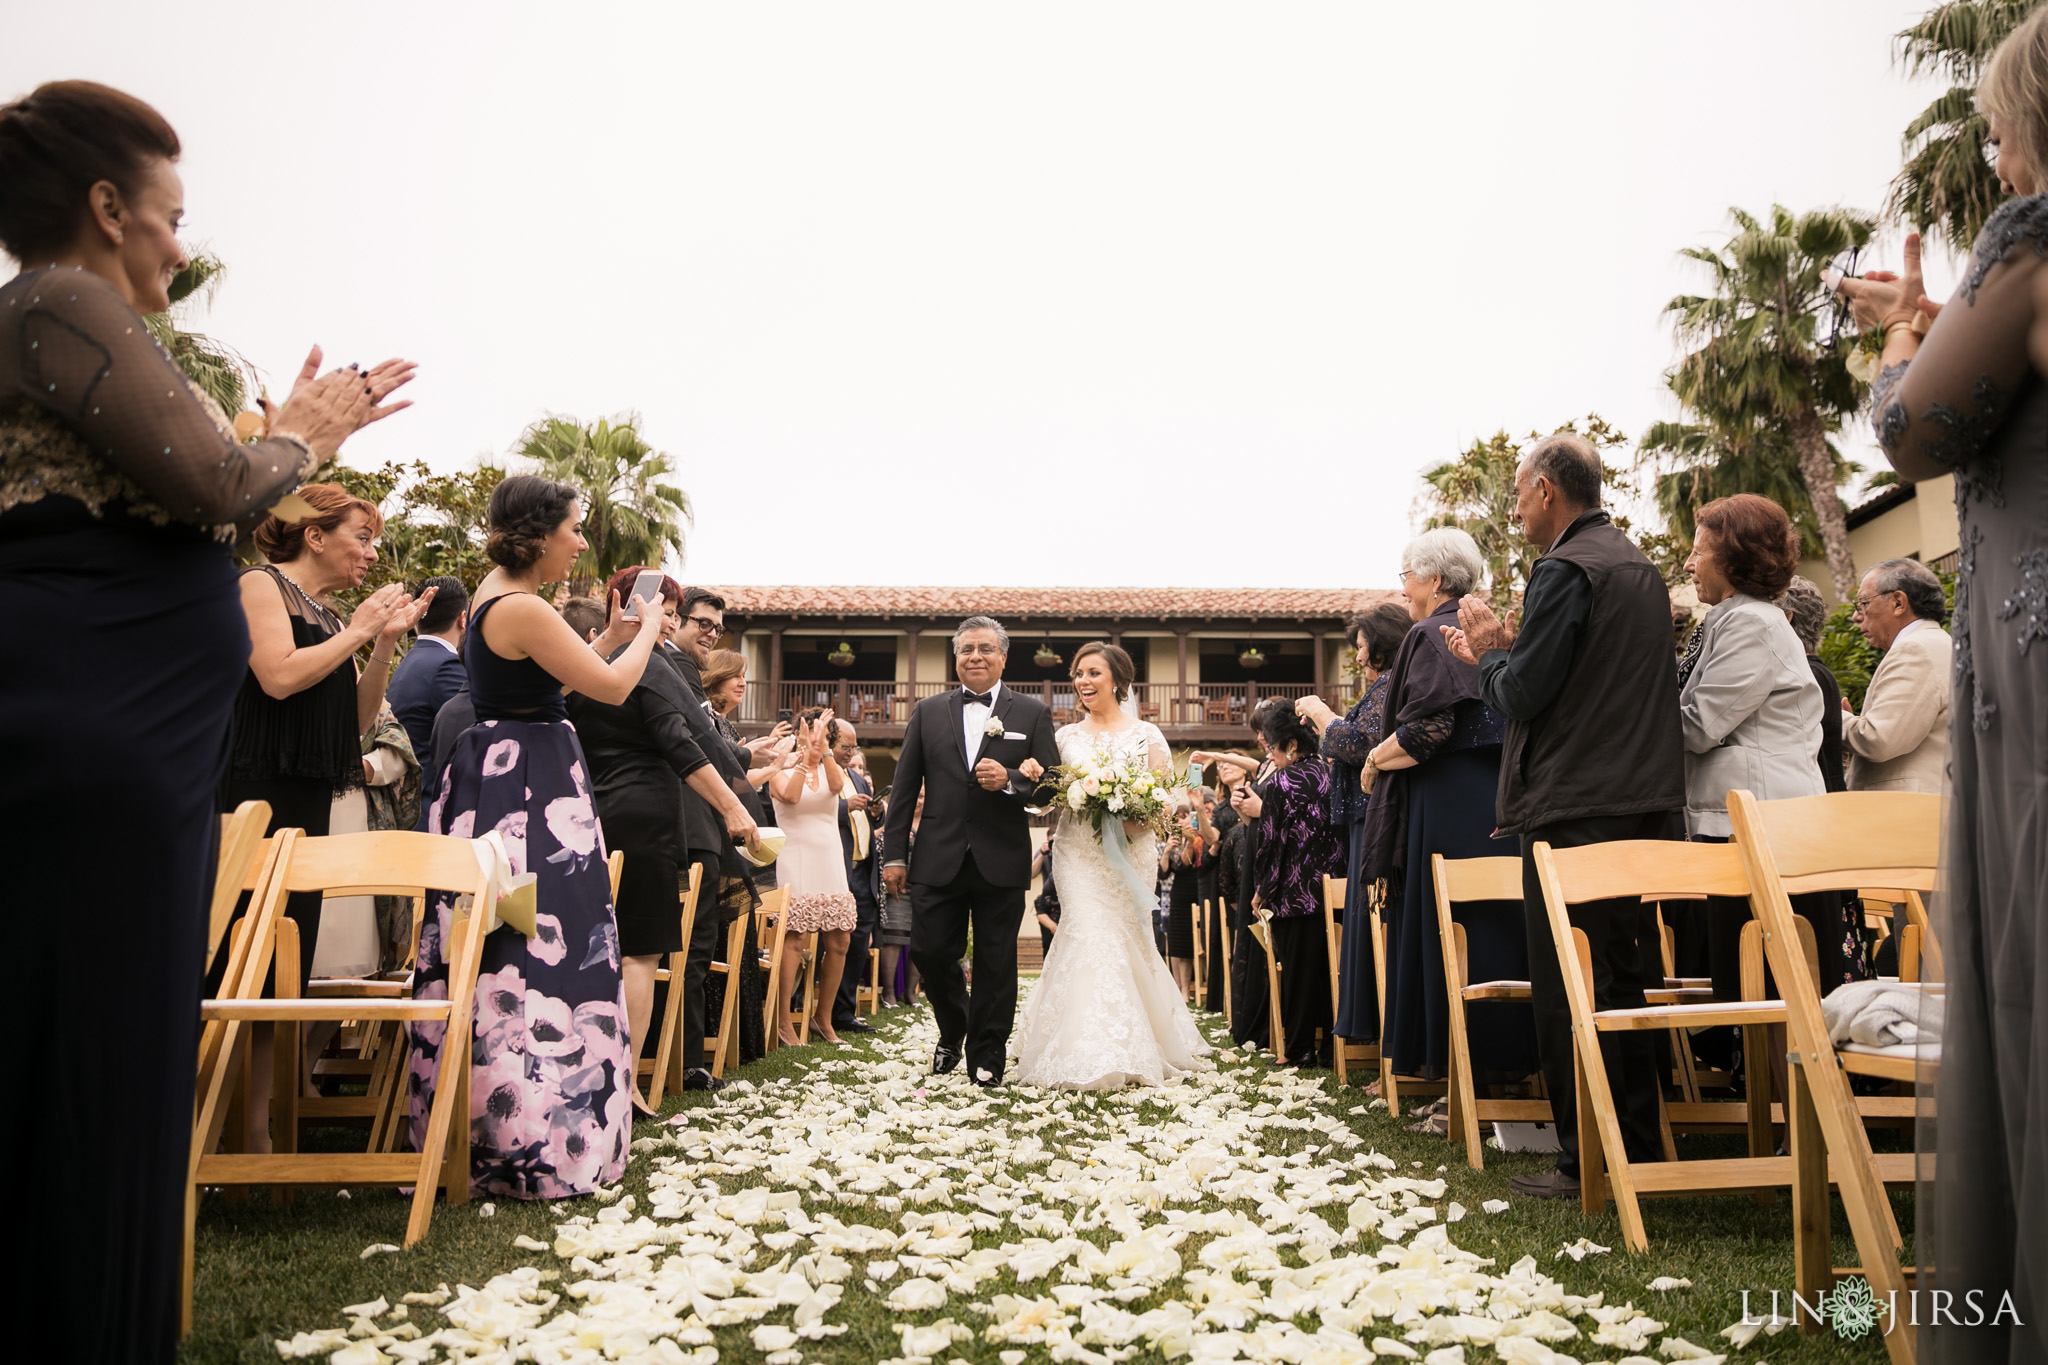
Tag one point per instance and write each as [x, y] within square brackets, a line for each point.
[1882, 1014]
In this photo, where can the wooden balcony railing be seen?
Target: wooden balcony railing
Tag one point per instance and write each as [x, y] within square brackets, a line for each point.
[1170, 706]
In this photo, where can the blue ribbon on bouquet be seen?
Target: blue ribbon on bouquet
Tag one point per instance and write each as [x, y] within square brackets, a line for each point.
[1114, 849]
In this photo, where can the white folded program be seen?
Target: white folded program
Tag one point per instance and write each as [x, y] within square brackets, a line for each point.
[771, 847]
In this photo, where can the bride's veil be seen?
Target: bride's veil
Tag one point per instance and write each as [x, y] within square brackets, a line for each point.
[1130, 703]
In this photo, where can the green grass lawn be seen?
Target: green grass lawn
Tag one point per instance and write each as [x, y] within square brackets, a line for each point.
[265, 1272]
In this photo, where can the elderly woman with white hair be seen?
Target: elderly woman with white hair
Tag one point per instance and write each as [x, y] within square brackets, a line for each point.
[1435, 778]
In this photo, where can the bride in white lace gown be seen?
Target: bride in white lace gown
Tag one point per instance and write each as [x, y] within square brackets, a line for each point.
[1106, 1012]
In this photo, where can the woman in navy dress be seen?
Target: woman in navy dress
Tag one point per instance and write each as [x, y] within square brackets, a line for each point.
[122, 488]
[1441, 766]
[550, 1105]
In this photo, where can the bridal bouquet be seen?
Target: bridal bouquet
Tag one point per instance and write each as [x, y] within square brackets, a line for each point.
[1120, 788]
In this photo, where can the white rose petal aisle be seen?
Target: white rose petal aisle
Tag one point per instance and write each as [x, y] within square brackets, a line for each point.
[863, 1210]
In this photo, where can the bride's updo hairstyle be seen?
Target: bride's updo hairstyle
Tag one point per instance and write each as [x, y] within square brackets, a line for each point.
[1122, 672]
[525, 510]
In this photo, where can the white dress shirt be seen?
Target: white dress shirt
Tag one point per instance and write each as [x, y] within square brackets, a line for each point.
[422, 639]
[974, 720]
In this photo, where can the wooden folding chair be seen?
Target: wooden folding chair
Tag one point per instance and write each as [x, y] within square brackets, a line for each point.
[1276, 1036]
[809, 960]
[1390, 1084]
[1825, 843]
[1347, 1051]
[1460, 880]
[868, 997]
[1224, 939]
[771, 926]
[664, 1070]
[1199, 924]
[722, 1046]
[1653, 868]
[384, 862]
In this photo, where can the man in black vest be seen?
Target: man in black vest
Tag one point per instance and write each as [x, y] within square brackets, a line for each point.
[1593, 754]
[972, 862]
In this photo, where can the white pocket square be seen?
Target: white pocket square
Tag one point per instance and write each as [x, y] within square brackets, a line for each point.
[1012, 734]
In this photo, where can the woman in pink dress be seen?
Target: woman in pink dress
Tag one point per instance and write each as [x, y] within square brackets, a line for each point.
[813, 864]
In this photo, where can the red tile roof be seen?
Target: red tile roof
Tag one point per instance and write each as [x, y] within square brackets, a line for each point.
[1019, 604]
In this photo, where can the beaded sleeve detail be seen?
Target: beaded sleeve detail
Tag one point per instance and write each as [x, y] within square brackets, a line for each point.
[92, 409]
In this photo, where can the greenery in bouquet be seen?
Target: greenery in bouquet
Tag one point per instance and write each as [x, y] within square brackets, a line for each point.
[1120, 788]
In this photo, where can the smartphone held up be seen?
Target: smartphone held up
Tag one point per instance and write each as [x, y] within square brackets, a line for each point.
[646, 588]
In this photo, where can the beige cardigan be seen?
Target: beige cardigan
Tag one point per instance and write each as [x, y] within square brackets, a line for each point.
[1900, 741]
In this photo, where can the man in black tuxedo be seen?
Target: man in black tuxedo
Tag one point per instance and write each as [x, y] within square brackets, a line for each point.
[972, 863]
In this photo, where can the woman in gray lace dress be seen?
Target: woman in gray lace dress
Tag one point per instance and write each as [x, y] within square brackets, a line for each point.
[1968, 402]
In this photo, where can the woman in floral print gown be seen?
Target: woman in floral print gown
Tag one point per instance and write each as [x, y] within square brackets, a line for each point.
[550, 1104]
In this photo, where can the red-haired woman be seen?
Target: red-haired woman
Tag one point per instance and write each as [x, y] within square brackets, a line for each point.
[304, 704]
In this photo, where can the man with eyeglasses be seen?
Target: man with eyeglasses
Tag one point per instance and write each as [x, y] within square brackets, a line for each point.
[700, 621]
[1900, 740]
[971, 865]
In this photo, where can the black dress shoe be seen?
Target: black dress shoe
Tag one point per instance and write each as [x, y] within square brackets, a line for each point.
[1552, 1184]
[992, 1083]
[854, 1026]
[944, 1059]
[700, 1079]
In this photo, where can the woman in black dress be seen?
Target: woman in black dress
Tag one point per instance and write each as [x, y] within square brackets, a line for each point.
[642, 753]
[305, 704]
[121, 489]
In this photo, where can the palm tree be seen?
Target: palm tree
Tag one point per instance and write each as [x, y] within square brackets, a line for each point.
[1696, 464]
[1947, 187]
[1756, 363]
[630, 516]
[219, 371]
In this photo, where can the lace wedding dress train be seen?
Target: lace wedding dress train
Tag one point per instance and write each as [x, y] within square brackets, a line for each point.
[1106, 1012]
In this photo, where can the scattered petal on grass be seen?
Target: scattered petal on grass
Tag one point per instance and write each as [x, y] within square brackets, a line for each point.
[1740, 1334]
[487, 1211]
[1241, 1203]
[1581, 1249]
[379, 1249]
[1678, 1348]
[342, 1194]
[1666, 1283]
[375, 1308]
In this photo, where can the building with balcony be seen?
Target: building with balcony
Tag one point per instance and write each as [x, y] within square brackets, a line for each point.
[1204, 656]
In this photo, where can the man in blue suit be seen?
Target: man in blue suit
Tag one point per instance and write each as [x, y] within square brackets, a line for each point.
[431, 671]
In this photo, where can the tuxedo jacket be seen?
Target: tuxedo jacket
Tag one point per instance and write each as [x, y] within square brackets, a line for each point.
[959, 814]
[425, 679]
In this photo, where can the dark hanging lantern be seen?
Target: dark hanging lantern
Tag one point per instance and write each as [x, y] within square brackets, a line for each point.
[1251, 658]
[840, 657]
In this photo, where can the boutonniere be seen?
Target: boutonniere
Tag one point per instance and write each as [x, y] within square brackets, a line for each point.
[994, 728]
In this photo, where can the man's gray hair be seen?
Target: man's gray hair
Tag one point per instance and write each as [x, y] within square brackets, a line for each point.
[1446, 553]
[1924, 597]
[1571, 464]
[982, 623]
[1807, 609]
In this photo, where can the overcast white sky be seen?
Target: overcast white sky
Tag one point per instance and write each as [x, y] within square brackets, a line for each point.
[1026, 294]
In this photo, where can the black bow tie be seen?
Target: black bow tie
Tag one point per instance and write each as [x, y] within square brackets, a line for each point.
[977, 698]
